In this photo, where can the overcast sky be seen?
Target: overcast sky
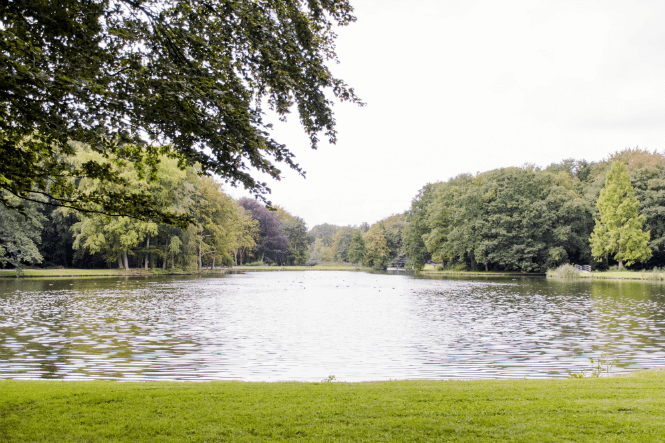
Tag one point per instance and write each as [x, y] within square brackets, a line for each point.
[462, 87]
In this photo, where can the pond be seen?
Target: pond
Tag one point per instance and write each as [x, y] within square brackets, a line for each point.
[275, 326]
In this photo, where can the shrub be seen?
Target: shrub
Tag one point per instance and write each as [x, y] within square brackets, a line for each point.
[256, 263]
[439, 268]
[564, 271]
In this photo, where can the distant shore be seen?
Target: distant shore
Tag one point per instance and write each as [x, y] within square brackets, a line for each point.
[139, 272]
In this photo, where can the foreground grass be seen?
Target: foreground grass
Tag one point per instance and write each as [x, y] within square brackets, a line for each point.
[630, 408]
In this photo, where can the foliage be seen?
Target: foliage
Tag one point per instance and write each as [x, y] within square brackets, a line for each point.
[273, 245]
[357, 251]
[519, 219]
[619, 229]
[295, 229]
[19, 236]
[417, 228]
[649, 190]
[326, 232]
[564, 271]
[342, 242]
[139, 79]
[377, 253]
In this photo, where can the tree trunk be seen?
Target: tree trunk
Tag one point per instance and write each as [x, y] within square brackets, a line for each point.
[119, 261]
[235, 257]
[443, 265]
[200, 249]
[213, 261]
[147, 247]
[620, 260]
[124, 254]
[486, 267]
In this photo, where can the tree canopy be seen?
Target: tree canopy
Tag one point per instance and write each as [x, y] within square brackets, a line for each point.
[134, 79]
[619, 229]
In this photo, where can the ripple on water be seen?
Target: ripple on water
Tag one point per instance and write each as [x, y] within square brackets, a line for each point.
[308, 325]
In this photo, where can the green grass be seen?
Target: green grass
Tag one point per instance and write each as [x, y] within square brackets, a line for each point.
[629, 408]
[97, 272]
[431, 269]
[624, 275]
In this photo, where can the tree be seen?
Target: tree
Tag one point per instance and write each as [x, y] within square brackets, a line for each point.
[246, 234]
[273, 245]
[619, 230]
[356, 252]
[296, 231]
[649, 186]
[341, 243]
[135, 79]
[214, 214]
[377, 254]
[19, 236]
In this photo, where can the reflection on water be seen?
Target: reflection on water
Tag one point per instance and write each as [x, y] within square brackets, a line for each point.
[308, 325]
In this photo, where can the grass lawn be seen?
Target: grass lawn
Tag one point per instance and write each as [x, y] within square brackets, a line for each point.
[142, 272]
[72, 272]
[626, 408]
[624, 275]
[431, 269]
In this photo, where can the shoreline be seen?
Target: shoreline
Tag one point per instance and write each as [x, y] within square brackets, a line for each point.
[137, 272]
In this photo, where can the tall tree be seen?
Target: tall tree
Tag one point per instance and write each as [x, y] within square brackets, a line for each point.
[273, 245]
[377, 253]
[188, 77]
[649, 186]
[619, 229]
[356, 252]
[19, 236]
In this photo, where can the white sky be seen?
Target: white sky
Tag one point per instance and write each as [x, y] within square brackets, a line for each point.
[462, 86]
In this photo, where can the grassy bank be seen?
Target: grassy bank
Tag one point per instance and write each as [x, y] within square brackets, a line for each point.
[138, 272]
[624, 275]
[431, 270]
[629, 408]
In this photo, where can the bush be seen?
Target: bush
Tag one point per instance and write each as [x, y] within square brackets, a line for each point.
[564, 271]
[439, 268]
[256, 263]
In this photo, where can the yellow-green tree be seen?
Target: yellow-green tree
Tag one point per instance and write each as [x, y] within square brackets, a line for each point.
[619, 230]
[376, 246]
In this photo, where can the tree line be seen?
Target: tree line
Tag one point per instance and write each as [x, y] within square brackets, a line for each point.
[222, 231]
[525, 219]
[531, 219]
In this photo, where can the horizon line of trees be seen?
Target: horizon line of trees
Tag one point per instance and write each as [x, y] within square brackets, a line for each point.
[223, 231]
[531, 219]
[520, 218]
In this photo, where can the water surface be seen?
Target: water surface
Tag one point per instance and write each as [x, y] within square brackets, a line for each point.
[357, 326]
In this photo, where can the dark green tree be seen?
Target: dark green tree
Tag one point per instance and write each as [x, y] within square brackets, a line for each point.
[356, 252]
[138, 78]
[649, 186]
